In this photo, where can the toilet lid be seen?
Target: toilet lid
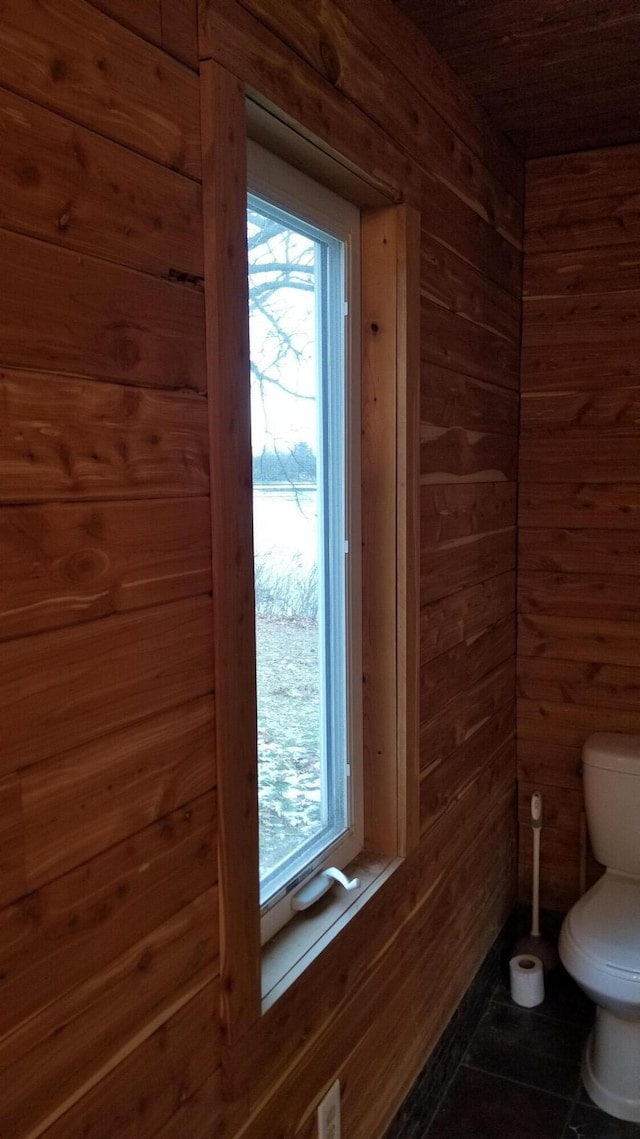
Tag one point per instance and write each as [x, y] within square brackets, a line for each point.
[605, 923]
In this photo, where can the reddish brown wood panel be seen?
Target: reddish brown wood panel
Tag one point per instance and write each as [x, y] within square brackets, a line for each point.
[87, 917]
[579, 509]
[70, 57]
[99, 676]
[78, 189]
[180, 30]
[85, 800]
[64, 437]
[110, 928]
[126, 325]
[454, 224]
[557, 76]
[448, 399]
[65, 563]
[461, 510]
[451, 341]
[143, 16]
[141, 1093]
[449, 455]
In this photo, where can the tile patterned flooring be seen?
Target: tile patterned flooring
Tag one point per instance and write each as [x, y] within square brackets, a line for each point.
[519, 1077]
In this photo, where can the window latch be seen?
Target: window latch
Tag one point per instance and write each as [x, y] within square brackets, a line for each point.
[317, 887]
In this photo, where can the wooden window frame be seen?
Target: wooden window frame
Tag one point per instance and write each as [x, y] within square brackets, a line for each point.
[390, 525]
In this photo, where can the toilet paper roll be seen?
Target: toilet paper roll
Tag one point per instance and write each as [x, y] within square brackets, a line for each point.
[527, 980]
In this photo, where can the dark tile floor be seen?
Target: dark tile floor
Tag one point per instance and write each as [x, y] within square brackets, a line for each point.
[520, 1075]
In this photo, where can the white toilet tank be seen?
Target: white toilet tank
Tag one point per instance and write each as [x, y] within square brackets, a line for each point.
[611, 771]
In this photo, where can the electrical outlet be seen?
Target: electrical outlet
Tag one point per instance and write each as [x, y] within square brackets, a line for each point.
[329, 1114]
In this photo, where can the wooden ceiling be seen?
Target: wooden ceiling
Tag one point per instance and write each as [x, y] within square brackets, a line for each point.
[554, 75]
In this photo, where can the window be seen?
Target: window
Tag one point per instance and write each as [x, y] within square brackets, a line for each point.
[384, 421]
[303, 247]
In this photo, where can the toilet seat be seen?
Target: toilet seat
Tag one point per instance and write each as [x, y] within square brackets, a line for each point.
[604, 926]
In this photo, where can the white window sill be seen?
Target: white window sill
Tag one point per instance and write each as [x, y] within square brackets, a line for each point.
[292, 950]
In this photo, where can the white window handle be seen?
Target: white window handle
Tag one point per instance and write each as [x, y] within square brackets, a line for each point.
[317, 887]
[338, 876]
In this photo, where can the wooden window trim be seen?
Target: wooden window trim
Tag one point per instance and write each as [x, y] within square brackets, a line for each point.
[390, 381]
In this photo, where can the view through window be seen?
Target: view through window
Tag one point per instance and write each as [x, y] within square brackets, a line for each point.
[298, 277]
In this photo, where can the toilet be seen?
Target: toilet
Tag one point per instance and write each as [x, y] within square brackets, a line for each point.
[600, 937]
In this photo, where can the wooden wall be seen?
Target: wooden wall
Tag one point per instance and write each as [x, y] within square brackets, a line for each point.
[108, 927]
[579, 645]
[109, 932]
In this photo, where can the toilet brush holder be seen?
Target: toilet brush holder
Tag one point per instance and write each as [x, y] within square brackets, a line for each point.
[534, 943]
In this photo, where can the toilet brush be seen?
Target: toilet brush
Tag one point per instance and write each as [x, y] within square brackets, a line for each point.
[534, 943]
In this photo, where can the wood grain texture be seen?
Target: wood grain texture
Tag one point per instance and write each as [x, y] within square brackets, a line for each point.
[63, 437]
[579, 367]
[342, 50]
[71, 58]
[550, 765]
[461, 510]
[452, 342]
[606, 319]
[560, 77]
[453, 223]
[84, 919]
[461, 616]
[180, 30]
[13, 877]
[573, 551]
[69, 185]
[396, 958]
[126, 325]
[601, 455]
[442, 785]
[582, 177]
[108, 842]
[567, 725]
[579, 682]
[452, 454]
[416, 59]
[579, 507]
[582, 271]
[86, 800]
[141, 1093]
[454, 565]
[582, 225]
[580, 639]
[225, 188]
[449, 280]
[44, 1069]
[465, 715]
[100, 676]
[457, 669]
[616, 407]
[579, 595]
[448, 399]
[142, 16]
[62, 564]
[390, 524]
[112, 719]
[244, 46]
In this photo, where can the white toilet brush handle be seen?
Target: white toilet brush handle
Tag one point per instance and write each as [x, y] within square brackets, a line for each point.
[536, 824]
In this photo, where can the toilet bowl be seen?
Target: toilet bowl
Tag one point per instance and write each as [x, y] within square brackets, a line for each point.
[600, 937]
[600, 948]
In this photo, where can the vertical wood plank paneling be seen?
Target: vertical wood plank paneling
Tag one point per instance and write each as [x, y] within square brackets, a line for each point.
[379, 562]
[580, 492]
[225, 181]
